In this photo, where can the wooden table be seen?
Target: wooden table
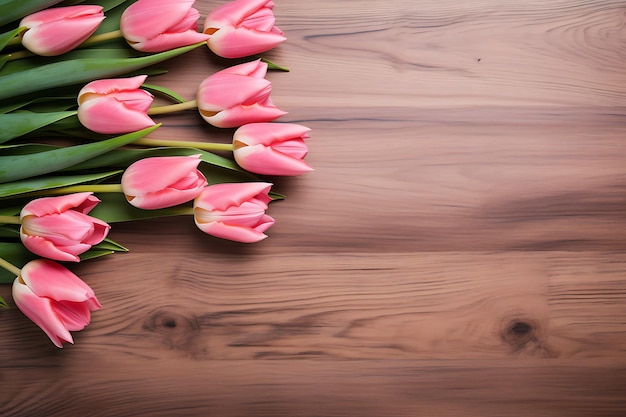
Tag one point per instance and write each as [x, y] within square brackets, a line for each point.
[460, 249]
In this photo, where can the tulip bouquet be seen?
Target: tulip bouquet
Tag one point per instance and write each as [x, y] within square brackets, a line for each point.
[75, 152]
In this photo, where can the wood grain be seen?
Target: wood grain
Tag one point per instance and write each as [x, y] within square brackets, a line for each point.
[460, 249]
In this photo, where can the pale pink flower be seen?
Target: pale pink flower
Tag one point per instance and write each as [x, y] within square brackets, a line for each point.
[237, 96]
[165, 181]
[59, 227]
[115, 105]
[54, 299]
[234, 211]
[242, 28]
[58, 30]
[159, 25]
[272, 148]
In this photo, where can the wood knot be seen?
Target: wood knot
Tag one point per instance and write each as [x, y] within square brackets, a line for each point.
[177, 331]
[525, 337]
[519, 332]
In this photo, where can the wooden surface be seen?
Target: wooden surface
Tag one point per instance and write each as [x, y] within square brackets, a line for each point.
[460, 249]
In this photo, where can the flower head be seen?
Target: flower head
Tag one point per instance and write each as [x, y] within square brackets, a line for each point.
[234, 211]
[165, 181]
[58, 30]
[115, 105]
[158, 25]
[59, 227]
[54, 299]
[242, 28]
[237, 95]
[272, 148]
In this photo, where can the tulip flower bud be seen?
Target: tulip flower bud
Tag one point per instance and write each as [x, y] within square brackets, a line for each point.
[166, 181]
[271, 148]
[158, 25]
[58, 30]
[242, 28]
[59, 227]
[54, 299]
[234, 211]
[237, 96]
[115, 105]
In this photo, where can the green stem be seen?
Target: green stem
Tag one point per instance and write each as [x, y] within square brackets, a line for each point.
[205, 146]
[10, 220]
[102, 37]
[187, 105]
[19, 55]
[95, 188]
[10, 267]
[181, 211]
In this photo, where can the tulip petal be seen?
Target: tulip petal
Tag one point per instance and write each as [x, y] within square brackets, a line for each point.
[268, 161]
[146, 19]
[221, 196]
[269, 133]
[75, 316]
[232, 232]
[108, 115]
[57, 13]
[256, 69]
[45, 248]
[40, 311]
[81, 202]
[111, 85]
[234, 12]
[230, 42]
[241, 115]
[58, 37]
[49, 279]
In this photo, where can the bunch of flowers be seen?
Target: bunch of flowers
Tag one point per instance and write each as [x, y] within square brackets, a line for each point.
[75, 155]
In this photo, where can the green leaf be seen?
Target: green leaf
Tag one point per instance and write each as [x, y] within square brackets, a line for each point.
[18, 167]
[33, 185]
[164, 91]
[11, 10]
[273, 66]
[7, 36]
[18, 255]
[17, 124]
[76, 71]
[122, 158]
[113, 208]
[109, 244]
[3, 303]
[11, 231]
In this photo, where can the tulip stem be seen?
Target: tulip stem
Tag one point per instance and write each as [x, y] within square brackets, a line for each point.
[10, 220]
[187, 105]
[94, 188]
[19, 55]
[102, 37]
[205, 146]
[10, 267]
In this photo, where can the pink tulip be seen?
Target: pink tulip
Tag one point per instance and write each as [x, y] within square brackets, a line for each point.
[115, 105]
[59, 227]
[237, 96]
[242, 28]
[54, 299]
[271, 148]
[58, 30]
[165, 181]
[159, 25]
[234, 211]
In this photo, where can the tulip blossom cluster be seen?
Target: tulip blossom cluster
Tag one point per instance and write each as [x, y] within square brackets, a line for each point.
[68, 219]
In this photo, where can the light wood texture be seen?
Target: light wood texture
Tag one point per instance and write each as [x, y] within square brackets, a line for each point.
[460, 249]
